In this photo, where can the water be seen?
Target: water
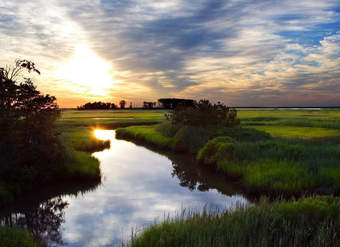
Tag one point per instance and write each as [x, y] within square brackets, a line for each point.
[139, 187]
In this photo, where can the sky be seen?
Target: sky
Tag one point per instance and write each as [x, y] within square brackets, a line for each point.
[240, 52]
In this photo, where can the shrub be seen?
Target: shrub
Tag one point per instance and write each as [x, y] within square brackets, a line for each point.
[190, 138]
[219, 148]
[203, 113]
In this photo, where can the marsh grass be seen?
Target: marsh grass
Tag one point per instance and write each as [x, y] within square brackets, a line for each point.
[307, 222]
[276, 166]
[146, 134]
[83, 139]
[13, 237]
[261, 162]
[297, 132]
[110, 118]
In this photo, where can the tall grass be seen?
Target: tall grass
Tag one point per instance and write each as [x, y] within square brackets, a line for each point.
[187, 139]
[13, 237]
[261, 162]
[306, 222]
[279, 166]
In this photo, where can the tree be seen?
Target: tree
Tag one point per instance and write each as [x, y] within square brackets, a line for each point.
[204, 113]
[122, 104]
[97, 106]
[27, 120]
[172, 103]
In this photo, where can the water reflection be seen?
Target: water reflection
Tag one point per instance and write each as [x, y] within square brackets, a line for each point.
[42, 222]
[139, 187]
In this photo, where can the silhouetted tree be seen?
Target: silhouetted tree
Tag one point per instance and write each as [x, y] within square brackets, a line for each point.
[149, 105]
[204, 113]
[122, 104]
[28, 142]
[172, 103]
[97, 106]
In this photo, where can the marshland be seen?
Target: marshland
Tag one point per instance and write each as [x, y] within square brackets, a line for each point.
[163, 123]
[147, 178]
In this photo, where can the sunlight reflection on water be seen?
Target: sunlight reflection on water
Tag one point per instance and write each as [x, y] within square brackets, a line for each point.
[104, 135]
[139, 187]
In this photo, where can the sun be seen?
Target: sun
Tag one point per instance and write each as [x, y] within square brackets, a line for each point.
[87, 72]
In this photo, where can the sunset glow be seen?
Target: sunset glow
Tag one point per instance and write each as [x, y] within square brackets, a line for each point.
[243, 53]
[88, 71]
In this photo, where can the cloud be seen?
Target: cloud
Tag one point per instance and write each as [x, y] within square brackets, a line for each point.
[182, 48]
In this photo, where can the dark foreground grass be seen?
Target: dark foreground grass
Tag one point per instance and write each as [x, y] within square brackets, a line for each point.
[80, 143]
[13, 237]
[306, 222]
[78, 165]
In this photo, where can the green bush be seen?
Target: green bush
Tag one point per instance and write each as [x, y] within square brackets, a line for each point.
[190, 139]
[219, 148]
[204, 113]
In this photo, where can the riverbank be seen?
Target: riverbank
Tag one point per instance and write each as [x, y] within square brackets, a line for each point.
[78, 165]
[263, 164]
[306, 222]
[267, 155]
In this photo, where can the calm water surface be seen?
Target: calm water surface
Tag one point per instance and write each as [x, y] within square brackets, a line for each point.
[139, 187]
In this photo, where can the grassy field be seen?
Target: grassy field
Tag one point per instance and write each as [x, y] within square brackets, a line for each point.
[294, 123]
[109, 118]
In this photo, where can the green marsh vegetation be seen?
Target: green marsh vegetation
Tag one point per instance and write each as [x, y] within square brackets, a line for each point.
[280, 154]
[313, 221]
[271, 159]
[16, 237]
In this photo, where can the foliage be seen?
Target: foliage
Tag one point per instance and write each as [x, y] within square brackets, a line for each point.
[191, 138]
[26, 116]
[30, 150]
[14, 237]
[172, 103]
[204, 113]
[122, 104]
[97, 106]
[306, 222]
[219, 148]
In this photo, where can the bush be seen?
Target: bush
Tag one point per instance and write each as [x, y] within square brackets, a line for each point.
[219, 148]
[190, 138]
[203, 113]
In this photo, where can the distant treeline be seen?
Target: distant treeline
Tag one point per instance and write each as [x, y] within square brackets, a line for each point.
[97, 106]
[172, 103]
[165, 103]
